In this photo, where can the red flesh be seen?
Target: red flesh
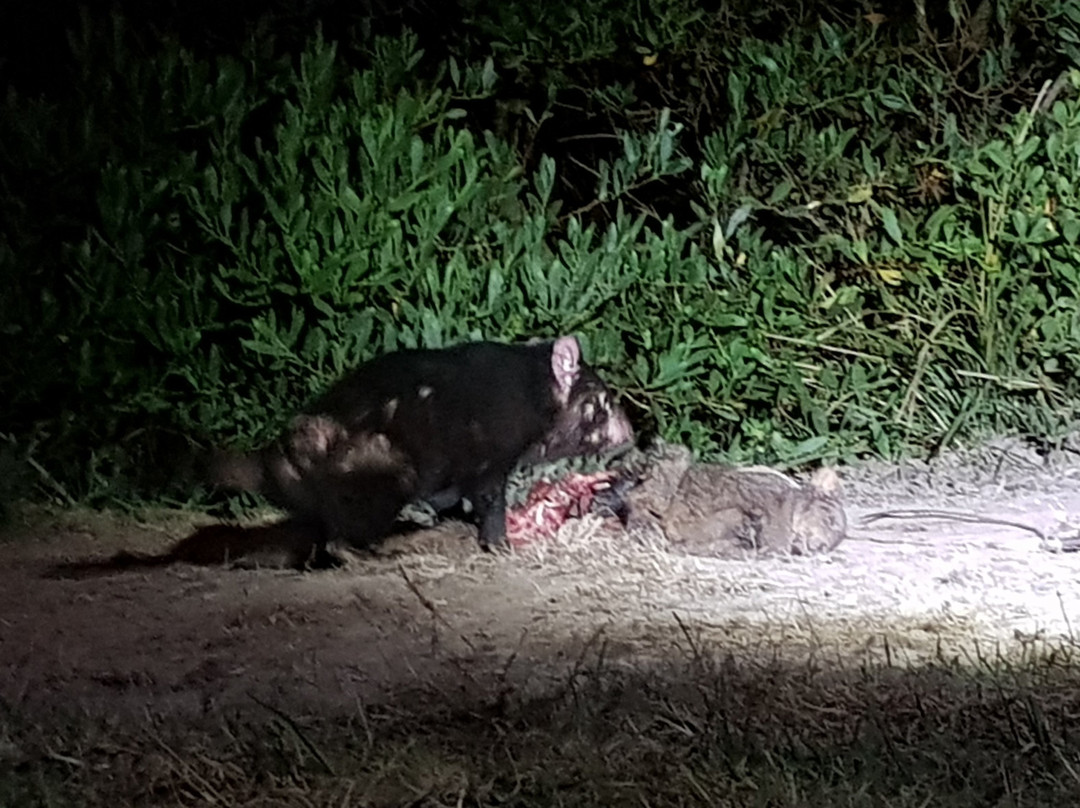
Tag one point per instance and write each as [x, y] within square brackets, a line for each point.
[550, 504]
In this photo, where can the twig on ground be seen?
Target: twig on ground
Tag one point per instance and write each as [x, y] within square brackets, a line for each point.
[430, 606]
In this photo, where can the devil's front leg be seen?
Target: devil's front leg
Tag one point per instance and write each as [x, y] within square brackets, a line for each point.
[488, 497]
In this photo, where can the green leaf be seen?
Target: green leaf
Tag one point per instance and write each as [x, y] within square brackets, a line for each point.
[998, 153]
[779, 193]
[859, 194]
[350, 200]
[1070, 229]
[892, 226]
[937, 220]
[1027, 149]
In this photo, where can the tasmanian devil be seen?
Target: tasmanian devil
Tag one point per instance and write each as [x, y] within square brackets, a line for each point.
[434, 425]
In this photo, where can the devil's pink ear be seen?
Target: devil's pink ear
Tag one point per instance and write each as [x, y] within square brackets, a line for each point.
[565, 365]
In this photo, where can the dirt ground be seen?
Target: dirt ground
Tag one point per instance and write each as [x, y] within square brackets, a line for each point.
[435, 620]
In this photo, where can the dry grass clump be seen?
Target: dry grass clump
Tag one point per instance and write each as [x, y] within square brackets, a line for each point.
[702, 730]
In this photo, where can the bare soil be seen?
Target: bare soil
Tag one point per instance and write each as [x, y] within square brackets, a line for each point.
[435, 609]
[433, 621]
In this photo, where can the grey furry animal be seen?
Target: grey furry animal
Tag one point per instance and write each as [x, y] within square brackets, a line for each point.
[722, 511]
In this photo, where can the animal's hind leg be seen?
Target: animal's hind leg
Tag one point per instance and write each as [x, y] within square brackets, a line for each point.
[359, 509]
[315, 553]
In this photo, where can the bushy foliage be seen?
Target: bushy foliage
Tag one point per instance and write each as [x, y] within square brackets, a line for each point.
[785, 239]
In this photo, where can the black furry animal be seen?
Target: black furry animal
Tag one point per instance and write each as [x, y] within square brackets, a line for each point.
[436, 425]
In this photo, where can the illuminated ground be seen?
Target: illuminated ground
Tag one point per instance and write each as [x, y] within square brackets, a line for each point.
[440, 619]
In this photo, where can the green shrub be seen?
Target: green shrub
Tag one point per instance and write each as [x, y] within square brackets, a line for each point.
[782, 244]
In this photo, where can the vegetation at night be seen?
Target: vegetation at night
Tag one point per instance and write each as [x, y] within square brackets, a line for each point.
[785, 236]
[787, 233]
[703, 731]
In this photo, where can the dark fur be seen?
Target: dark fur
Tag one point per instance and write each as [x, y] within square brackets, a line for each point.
[437, 425]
